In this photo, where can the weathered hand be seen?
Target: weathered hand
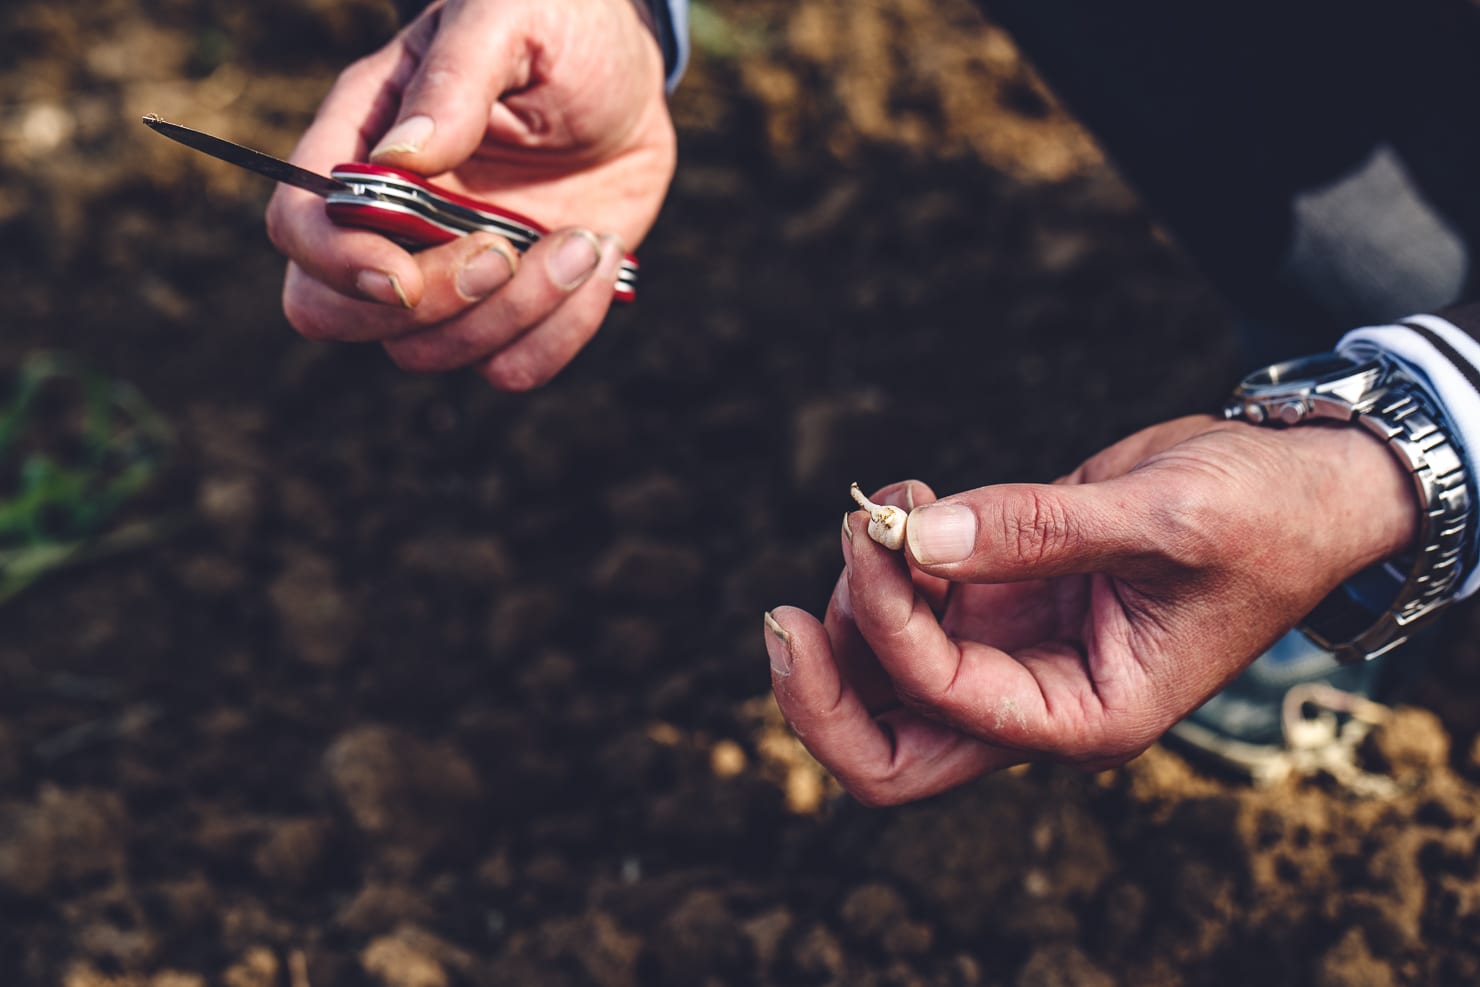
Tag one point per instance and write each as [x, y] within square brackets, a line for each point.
[555, 111]
[1077, 621]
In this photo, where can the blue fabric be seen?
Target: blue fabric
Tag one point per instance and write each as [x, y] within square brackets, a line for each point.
[676, 44]
[673, 31]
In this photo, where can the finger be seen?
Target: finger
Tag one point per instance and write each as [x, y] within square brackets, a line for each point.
[356, 263]
[856, 663]
[1020, 531]
[1037, 699]
[317, 311]
[888, 759]
[562, 302]
[910, 494]
[554, 296]
[476, 54]
[855, 660]
[563, 285]
[456, 276]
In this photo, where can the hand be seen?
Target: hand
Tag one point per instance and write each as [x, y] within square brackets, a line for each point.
[1078, 621]
[554, 111]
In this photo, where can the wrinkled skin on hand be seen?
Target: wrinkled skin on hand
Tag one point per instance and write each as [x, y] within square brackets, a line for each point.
[1089, 615]
[553, 111]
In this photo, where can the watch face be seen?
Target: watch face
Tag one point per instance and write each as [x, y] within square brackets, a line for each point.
[1313, 369]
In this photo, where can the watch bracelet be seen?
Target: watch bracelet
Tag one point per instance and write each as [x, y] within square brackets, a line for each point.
[1399, 414]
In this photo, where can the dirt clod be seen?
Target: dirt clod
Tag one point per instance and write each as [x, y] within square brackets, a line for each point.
[700, 938]
[379, 908]
[651, 572]
[819, 956]
[405, 958]
[62, 835]
[1408, 745]
[294, 851]
[399, 790]
[316, 616]
[1061, 966]
[1350, 963]
[259, 967]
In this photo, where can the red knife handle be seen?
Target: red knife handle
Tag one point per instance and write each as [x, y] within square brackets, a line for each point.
[417, 214]
[408, 229]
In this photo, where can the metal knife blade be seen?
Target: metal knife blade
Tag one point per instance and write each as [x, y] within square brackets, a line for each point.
[245, 157]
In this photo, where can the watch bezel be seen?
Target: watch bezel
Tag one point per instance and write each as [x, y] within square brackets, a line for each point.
[1301, 373]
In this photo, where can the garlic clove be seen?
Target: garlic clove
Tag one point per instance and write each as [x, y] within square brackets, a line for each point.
[886, 523]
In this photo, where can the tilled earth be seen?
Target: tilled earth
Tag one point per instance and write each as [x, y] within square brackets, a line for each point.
[438, 686]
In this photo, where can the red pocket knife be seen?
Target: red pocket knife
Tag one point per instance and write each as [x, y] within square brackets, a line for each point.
[398, 204]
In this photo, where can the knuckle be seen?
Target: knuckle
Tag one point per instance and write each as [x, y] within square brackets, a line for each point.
[1190, 530]
[440, 74]
[360, 71]
[1037, 526]
[518, 310]
[306, 319]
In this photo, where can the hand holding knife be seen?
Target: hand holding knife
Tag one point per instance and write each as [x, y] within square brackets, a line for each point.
[398, 204]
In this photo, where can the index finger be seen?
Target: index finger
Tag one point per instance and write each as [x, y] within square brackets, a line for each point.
[1039, 699]
[362, 100]
[880, 758]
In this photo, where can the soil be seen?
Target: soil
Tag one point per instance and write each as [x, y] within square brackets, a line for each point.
[437, 686]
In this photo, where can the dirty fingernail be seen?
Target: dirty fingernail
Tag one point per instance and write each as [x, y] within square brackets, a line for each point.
[778, 647]
[406, 137]
[574, 258]
[381, 287]
[485, 272]
[940, 533]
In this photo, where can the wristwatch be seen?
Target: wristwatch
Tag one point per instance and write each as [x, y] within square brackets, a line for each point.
[1384, 606]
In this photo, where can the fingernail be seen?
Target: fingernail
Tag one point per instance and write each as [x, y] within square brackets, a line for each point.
[381, 287]
[940, 533]
[486, 271]
[778, 647]
[847, 528]
[574, 259]
[612, 252]
[843, 599]
[406, 137]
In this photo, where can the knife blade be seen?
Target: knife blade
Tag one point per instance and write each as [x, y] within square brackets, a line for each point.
[245, 157]
[395, 203]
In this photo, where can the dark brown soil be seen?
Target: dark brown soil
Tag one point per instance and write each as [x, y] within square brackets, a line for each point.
[446, 687]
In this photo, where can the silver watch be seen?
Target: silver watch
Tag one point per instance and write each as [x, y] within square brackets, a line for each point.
[1363, 387]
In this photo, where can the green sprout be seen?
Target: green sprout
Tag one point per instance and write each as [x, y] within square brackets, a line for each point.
[75, 449]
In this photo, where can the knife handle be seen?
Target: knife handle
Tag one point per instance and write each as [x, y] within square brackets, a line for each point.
[415, 213]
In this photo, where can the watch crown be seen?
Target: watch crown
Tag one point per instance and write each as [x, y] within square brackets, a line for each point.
[1291, 411]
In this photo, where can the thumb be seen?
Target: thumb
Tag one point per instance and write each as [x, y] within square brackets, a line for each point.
[475, 55]
[1020, 531]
